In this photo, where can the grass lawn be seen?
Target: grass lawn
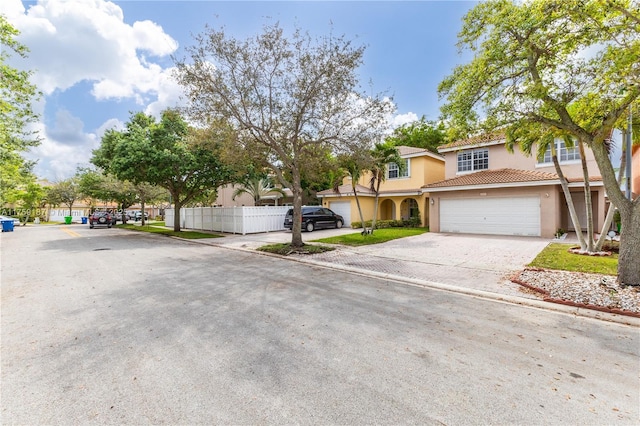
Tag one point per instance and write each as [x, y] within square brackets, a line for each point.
[284, 249]
[378, 236]
[189, 235]
[557, 256]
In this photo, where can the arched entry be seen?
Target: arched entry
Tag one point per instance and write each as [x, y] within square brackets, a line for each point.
[387, 210]
[409, 208]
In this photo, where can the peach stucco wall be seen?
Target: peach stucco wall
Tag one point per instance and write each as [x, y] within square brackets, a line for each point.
[500, 158]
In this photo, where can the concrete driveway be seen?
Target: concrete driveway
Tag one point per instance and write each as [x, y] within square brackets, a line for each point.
[485, 252]
[463, 262]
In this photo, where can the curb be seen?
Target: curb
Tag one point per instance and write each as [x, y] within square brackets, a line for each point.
[547, 303]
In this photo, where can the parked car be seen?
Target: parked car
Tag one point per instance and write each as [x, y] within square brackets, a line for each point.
[100, 217]
[16, 222]
[138, 216]
[120, 216]
[315, 217]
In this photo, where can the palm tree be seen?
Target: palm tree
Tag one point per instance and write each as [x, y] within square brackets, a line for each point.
[354, 166]
[258, 188]
[382, 154]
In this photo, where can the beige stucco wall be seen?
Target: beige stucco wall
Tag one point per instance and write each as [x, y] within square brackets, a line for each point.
[422, 170]
[394, 208]
[500, 158]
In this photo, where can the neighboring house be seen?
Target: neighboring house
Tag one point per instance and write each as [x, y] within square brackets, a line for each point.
[225, 197]
[401, 196]
[488, 190]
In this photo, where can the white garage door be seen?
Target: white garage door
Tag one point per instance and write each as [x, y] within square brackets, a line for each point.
[498, 216]
[343, 208]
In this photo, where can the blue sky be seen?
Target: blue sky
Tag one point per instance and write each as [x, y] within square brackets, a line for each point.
[96, 61]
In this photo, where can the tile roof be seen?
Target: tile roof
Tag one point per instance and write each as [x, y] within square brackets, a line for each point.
[487, 177]
[475, 140]
[408, 150]
[580, 179]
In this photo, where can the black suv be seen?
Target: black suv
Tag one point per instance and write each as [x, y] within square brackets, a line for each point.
[315, 217]
[101, 218]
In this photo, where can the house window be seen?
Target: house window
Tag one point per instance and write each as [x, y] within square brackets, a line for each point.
[565, 154]
[471, 161]
[393, 172]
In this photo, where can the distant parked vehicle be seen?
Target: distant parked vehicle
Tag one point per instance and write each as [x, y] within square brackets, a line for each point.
[101, 218]
[315, 217]
[138, 216]
[122, 216]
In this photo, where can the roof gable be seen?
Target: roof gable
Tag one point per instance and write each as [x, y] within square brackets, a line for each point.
[410, 151]
[495, 138]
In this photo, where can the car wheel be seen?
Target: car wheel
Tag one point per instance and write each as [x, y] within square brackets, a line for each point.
[310, 227]
[338, 224]
[90, 226]
[109, 225]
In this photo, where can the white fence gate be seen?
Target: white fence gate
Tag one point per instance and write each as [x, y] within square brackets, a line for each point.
[234, 220]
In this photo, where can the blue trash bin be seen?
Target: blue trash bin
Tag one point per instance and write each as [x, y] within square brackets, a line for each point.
[7, 226]
[84, 220]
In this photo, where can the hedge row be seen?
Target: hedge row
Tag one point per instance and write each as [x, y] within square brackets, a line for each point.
[413, 222]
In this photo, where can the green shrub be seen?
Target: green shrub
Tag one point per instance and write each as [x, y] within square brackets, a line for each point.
[413, 222]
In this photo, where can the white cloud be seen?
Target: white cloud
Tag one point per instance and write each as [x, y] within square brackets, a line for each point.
[74, 41]
[402, 119]
[88, 40]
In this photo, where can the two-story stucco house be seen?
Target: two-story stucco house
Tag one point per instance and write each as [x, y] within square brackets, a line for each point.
[401, 194]
[488, 190]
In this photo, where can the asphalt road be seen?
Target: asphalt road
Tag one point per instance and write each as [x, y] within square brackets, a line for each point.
[109, 326]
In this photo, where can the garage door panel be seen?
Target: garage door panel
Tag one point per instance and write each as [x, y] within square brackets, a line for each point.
[343, 208]
[498, 216]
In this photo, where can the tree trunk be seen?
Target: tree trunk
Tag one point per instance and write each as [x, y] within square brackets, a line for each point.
[612, 209]
[628, 265]
[628, 259]
[569, 199]
[177, 205]
[375, 207]
[142, 213]
[587, 199]
[355, 194]
[296, 229]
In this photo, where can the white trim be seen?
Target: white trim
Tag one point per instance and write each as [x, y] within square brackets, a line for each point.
[562, 163]
[510, 185]
[344, 194]
[424, 153]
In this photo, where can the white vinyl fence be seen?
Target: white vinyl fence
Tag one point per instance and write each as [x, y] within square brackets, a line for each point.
[234, 220]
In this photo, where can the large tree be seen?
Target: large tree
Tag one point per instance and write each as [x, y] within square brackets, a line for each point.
[287, 97]
[423, 133]
[544, 66]
[65, 192]
[17, 95]
[167, 153]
